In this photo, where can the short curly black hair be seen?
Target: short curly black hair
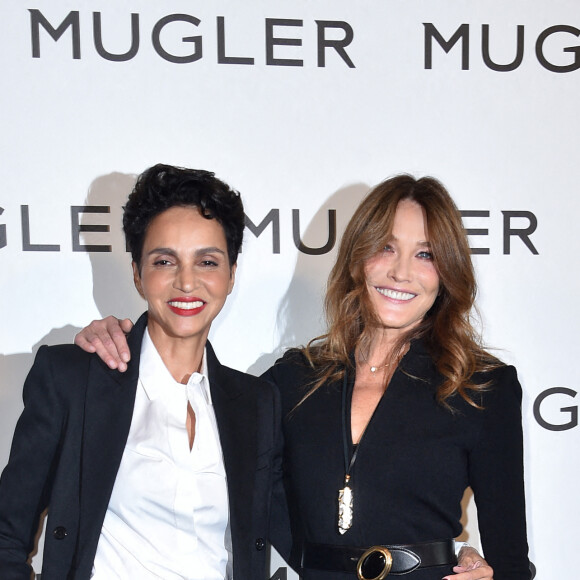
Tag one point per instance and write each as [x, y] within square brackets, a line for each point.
[164, 186]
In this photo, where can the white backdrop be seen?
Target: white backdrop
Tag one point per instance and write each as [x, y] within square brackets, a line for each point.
[303, 106]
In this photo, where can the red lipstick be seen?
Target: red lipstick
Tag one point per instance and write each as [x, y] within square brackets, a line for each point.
[186, 306]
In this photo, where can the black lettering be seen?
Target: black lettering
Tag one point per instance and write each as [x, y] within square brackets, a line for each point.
[476, 231]
[522, 233]
[573, 411]
[575, 49]
[221, 42]
[273, 218]
[72, 20]
[314, 251]
[26, 245]
[272, 41]
[3, 241]
[432, 33]
[77, 227]
[502, 67]
[196, 40]
[338, 45]
[98, 36]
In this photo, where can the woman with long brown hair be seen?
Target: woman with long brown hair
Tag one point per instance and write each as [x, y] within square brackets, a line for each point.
[398, 408]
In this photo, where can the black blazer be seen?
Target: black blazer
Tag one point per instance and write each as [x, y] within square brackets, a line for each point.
[413, 464]
[69, 442]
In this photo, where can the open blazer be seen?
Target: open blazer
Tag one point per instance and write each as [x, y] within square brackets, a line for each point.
[69, 442]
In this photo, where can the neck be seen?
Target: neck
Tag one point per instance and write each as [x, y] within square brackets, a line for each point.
[381, 351]
[380, 348]
[182, 357]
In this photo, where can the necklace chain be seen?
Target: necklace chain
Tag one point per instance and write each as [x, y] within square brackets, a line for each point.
[373, 368]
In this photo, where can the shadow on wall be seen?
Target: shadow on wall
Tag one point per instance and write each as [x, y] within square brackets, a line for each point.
[300, 316]
[113, 289]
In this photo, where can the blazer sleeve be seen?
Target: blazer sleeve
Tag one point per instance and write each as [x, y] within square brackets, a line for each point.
[283, 533]
[496, 473]
[279, 529]
[26, 481]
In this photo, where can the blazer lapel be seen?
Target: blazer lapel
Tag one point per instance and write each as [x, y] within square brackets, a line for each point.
[109, 406]
[236, 414]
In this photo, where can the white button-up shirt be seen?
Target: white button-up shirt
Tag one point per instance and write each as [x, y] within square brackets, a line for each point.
[168, 514]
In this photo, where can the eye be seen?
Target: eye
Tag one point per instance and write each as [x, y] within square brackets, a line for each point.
[388, 248]
[425, 255]
[209, 263]
[162, 262]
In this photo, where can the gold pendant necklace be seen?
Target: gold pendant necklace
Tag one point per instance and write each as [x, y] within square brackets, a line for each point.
[345, 505]
[346, 494]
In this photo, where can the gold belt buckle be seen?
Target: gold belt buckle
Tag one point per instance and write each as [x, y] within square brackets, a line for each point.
[381, 557]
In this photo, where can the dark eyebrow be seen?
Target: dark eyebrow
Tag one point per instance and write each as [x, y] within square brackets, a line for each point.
[198, 252]
[209, 250]
[161, 251]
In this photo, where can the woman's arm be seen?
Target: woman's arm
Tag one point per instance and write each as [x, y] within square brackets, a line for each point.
[496, 475]
[26, 481]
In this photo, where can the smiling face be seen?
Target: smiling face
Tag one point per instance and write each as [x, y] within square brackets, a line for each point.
[402, 281]
[185, 275]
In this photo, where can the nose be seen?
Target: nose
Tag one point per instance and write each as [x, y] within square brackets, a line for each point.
[400, 268]
[185, 279]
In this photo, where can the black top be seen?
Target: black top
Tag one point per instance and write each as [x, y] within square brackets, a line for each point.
[414, 463]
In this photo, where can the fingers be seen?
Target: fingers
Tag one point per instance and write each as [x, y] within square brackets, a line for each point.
[472, 566]
[126, 325]
[107, 338]
[477, 571]
[469, 556]
[118, 330]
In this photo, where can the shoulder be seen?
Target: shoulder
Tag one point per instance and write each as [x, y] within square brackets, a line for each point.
[222, 373]
[236, 382]
[62, 352]
[58, 377]
[501, 379]
[293, 366]
[501, 392]
[247, 380]
[62, 359]
[293, 357]
[65, 363]
[293, 376]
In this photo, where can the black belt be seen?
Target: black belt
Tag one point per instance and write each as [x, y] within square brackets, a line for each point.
[376, 562]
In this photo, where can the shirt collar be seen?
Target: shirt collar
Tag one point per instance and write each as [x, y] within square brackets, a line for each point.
[154, 374]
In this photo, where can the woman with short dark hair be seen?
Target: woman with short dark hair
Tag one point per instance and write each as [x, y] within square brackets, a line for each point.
[160, 472]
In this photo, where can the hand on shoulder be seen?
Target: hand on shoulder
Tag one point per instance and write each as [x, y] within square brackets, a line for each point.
[107, 339]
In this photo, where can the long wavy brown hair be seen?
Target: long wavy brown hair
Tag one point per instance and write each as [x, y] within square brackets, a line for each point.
[446, 330]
